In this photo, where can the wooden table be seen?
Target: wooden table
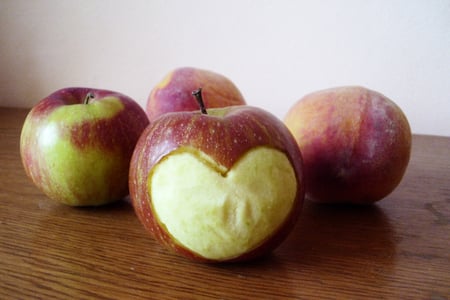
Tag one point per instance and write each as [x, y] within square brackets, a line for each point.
[396, 249]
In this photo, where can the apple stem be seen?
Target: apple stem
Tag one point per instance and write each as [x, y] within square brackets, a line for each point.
[198, 96]
[88, 97]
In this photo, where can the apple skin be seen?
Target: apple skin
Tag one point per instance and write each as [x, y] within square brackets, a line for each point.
[225, 134]
[355, 143]
[79, 154]
[173, 93]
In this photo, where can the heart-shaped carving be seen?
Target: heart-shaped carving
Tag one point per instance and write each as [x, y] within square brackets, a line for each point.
[219, 213]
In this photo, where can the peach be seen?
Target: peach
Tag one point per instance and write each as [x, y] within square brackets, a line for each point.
[355, 144]
[174, 92]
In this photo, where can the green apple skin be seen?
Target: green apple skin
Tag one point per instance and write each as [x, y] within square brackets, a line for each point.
[225, 135]
[79, 154]
[355, 143]
[173, 93]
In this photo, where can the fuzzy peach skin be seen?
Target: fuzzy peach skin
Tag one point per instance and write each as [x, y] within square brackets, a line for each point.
[355, 144]
[173, 93]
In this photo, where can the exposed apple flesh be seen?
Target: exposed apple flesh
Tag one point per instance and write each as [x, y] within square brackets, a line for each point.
[220, 213]
[217, 187]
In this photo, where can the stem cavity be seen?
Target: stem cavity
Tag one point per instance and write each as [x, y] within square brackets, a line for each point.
[88, 97]
[198, 96]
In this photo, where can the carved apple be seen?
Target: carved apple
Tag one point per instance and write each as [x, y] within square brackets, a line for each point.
[222, 185]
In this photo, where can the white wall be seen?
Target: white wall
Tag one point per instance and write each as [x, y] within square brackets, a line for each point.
[275, 51]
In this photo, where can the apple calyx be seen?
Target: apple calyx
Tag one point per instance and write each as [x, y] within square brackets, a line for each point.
[198, 96]
[88, 97]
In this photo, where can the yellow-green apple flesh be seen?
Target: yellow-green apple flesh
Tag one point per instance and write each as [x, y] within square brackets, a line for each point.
[76, 145]
[173, 93]
[355, 144]
[216, 187]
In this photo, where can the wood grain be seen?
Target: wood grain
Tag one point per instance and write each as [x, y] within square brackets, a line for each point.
[396, 249]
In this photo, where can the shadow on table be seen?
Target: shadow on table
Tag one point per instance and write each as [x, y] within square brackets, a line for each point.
[331, 248]
[330, 244]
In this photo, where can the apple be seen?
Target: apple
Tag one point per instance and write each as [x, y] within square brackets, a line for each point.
[76, 145]
[219, 185]
[355, 143]
[173, 93]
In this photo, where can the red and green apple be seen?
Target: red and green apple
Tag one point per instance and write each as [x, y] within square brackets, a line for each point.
[355, 143]
[76, 145]
[224, 184]
[173, 93]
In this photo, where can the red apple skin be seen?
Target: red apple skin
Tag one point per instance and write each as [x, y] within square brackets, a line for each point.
[115, 137]
[226, 139]
[173, 93]
[355, 143]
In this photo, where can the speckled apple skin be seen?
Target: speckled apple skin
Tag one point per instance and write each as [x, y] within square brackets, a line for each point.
[173, 93]
[225, 135]
[95, 147]
[355, 144]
